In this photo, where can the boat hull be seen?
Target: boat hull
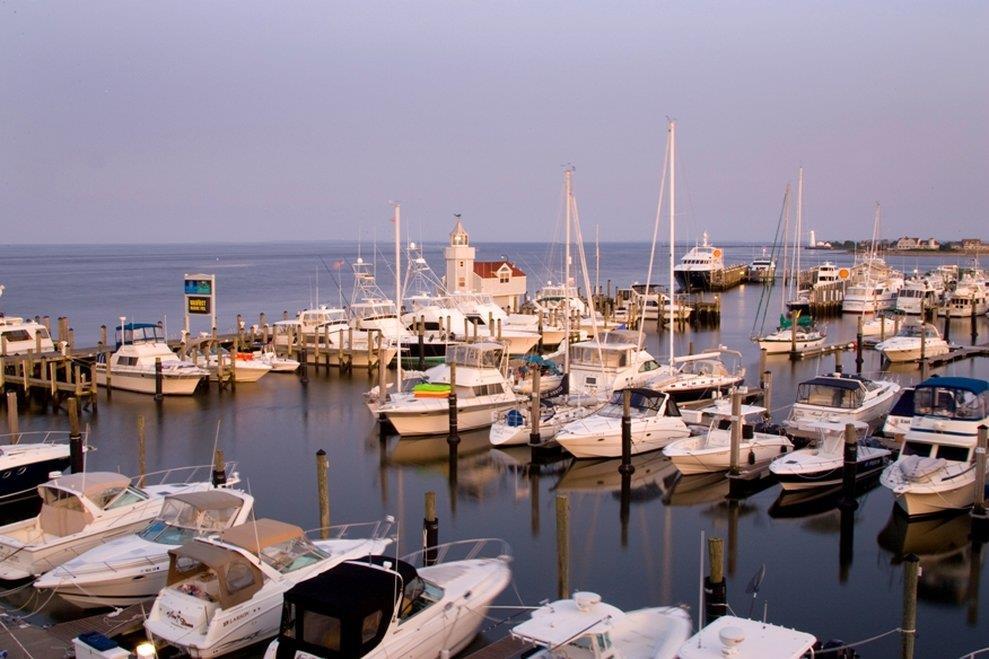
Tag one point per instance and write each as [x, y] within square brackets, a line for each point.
[776, 347]
[691, 462]
[609, 445]
[144, 383]
[436, 421]
[829, 477]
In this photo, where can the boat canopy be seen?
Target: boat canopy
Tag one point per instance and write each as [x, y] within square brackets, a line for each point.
[139, 333]
[475, 355]
[257, 535]
[844, 393]
[92, 485]
[237, 578]
[965, 399]
[594, 355]
[212, 510]
[802, 321]
[346, 611]
[642, 399]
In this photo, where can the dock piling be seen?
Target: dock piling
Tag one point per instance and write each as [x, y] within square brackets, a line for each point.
[908, 626]
[76, 458]
[13, 423]
[736, 431]
[979, 516]
[534, 436]
[219, 469]
[858, 347]
[562, 546]
[323, 488]
[142, 451]
[767, 394]
[430, 529]
[849, 468]
[715, 588]
[626, 467]
[158, 379]
[452, 437]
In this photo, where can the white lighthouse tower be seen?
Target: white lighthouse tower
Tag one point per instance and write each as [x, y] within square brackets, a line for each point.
[459, 260]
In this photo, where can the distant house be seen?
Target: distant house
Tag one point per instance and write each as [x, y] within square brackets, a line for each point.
[909, 243]
[971, 245]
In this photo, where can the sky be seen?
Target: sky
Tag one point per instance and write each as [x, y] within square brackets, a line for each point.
[251, 121]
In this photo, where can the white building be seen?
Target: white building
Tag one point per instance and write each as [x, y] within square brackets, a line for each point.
[501, 279]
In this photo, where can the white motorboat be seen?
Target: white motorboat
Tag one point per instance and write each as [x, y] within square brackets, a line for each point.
[225, 592]
[278, 364]
[27, 459]
[913, 341]
[840, 398]
[970, 297]
[696, 267]
[484, 318]
[245, 368]
[133, 568]
[786, 338]
[515, 426]
[762, 269]
[655, 302]
[868, 296]
[133, 366]
[703, 375]
[935, 472]
[584, 626]
[81, 511]
[655, 420]
[483, 393]
[743, 638]
[19, 336]
[615, 361]
[821, 463]
[710, 451]
[380, 606]
[919, 293]
[900, 415]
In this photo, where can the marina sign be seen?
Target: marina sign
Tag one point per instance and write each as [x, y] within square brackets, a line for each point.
[198, 304]
[200, 297]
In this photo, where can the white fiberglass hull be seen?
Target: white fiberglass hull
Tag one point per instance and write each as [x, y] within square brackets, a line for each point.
[435, 419]
[912, 354]
[780, 343]
[808, 469]
[948, 489]
[607, 442]
[245, 374]
[690, 456]
[144, 382]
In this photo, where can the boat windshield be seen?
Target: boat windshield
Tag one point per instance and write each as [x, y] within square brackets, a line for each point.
[951, 403]
[373, 309]
[181, 521]
[592, 357]
[641, 405]
[827, 395]
[474, 355]
[916, 331]
[292, 555]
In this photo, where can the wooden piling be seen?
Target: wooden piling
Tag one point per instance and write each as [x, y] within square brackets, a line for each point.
[452, 438]
[142, 451]
[76, 458]
[979, 507]
[858, 347]
[219, 469]
[323, 488]
[430, 529]
[715, 588]
[849, 469]
[908, 626]
[626, 468]
[13, 423]
[159, 376]
[534, 412]
[562, 547]
[767, 394]
[736, 431]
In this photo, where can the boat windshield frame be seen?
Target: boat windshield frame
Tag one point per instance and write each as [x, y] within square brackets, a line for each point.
[831, 393]
[942, 401]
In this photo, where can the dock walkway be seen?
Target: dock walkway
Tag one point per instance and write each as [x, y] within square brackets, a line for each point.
[30, 641]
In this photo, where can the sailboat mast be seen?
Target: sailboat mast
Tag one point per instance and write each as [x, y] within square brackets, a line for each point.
[568, 194]
[797, 244]
[597, 258]
[673, 169]
[397, 220]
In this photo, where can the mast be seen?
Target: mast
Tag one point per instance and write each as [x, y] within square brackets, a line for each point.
[397, 221]
[797, 245]
[787, 275]
[597, 258]
[568, 194]
[673, 142]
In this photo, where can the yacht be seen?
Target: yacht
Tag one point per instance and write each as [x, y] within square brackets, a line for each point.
[935, 472]
[20, 336]
[912, 340]
[584, 626]
[743, 638]
[225, 591]
[482, 391]
[655, 419]
[840, 398]
[401, 611]
[133, 568]
[78, 512]
[132, 366]
[762, 269]
[919, 293]
[970, 297]
[329, 329]
[483, 313]
[824, 275]
[821, 463]
[808, 336]
[865, 296]
[710, 451]
[696, 268]
[27, 459]
[615, 361]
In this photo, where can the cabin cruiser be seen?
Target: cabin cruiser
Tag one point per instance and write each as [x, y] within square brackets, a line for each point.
[935, 472]
[915, 340]
[919, 293]
[133, 366]
[840, 398]
[695, 270]
[821, 463]
[278, 364]
[225, 591]
[380, 606]
[762, 269]
[615, 361]
[898, 420]
[245, 368]
[134, 568]
[27, 459]
[807, 336]
[706, 374]
[78, 512]
[515, 426]
[20, 336]
[482, 391]
[485, 317]
[584, 626]
[970, 297]
[329, 329]
[823, 276]
[873, 287]
[710, 451]
[743, 638]
[655, 419]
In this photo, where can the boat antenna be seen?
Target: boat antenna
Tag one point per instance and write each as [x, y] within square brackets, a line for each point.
[753, 588]
[700, 593]
[655, 235]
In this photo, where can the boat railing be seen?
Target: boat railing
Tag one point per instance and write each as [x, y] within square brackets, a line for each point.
[37, 437]
[187, 475]
[375, 530]
[461, 550]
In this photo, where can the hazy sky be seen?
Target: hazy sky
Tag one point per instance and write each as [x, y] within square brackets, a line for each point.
[166, 121]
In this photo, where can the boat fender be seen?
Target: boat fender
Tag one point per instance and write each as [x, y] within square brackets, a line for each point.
[783, 448]
[751, 457]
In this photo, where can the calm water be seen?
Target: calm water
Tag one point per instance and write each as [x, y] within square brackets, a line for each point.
[647, 557]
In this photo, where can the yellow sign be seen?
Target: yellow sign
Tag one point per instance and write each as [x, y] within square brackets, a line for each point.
[198, 304]
[716, 253]
[843, 274]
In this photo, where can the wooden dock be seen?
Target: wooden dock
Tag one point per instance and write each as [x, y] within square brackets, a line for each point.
[826, 349]
[965, 352]
[506, 648]
[32, 642]
[728, 278]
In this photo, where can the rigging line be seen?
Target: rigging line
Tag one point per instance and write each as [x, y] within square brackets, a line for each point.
[767, 291]
[652, 250]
